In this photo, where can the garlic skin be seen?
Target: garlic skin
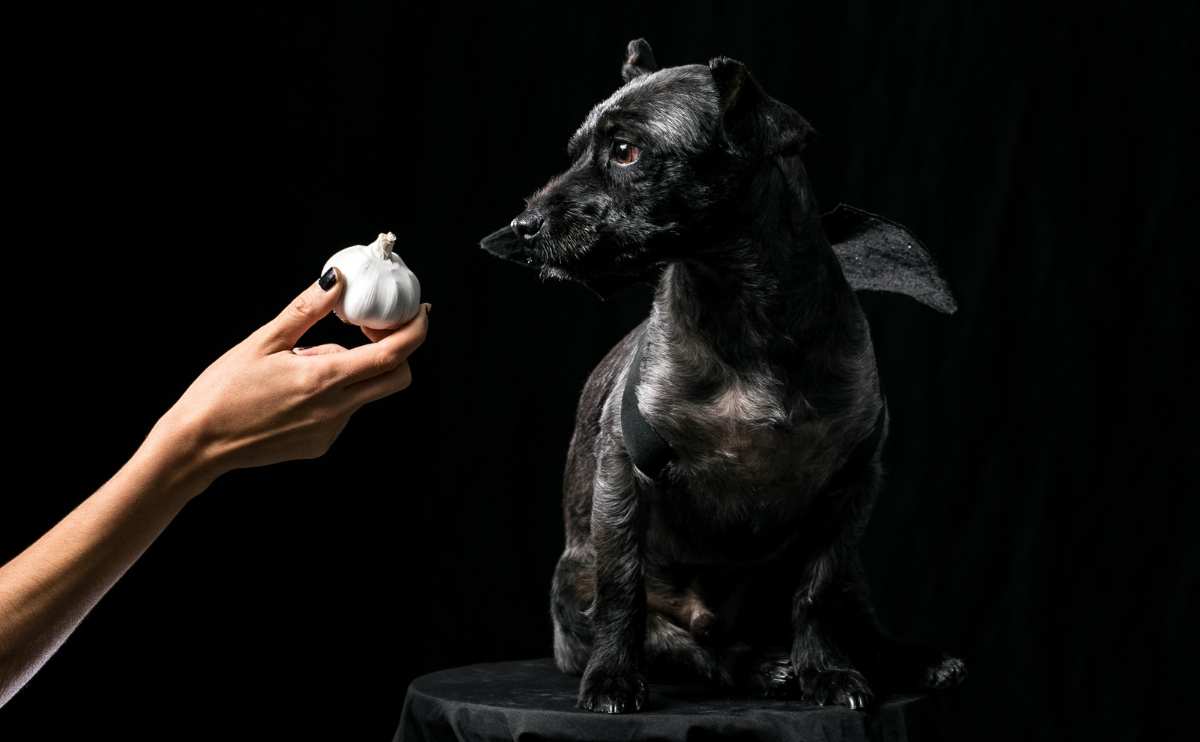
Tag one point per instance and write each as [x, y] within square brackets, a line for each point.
[380, 291]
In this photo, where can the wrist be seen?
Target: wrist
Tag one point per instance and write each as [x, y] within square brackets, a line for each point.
[179, 452]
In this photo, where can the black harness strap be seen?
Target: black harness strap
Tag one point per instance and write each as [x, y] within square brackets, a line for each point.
[648, 450]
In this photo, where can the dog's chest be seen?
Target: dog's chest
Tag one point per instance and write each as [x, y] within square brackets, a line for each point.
[751, 444]
[747, 464]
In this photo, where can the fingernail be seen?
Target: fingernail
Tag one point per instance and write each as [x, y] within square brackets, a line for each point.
[299, 348]
[328, 279]
[428, 309]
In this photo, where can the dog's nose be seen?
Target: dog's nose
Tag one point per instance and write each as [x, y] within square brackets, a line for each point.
[527, 225]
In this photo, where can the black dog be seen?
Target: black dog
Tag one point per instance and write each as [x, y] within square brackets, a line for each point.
[727, 451]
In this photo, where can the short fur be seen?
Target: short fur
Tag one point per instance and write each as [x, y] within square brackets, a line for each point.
[741, 565]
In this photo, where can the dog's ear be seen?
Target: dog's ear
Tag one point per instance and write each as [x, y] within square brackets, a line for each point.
[639, 60]
[753, 121]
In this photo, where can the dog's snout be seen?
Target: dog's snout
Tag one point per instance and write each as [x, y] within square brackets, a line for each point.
[527, 225]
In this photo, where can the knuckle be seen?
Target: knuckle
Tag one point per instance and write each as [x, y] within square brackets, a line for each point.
[301, 307]
[313, 380]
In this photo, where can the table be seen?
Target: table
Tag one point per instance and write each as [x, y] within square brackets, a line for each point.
[531, 700]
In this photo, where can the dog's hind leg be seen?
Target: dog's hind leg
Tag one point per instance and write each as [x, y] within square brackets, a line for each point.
[571, 593]
[671, 650]
[841, 636]
[898, 666]
[760, 671]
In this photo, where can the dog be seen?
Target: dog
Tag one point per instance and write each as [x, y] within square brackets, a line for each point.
[726, 452]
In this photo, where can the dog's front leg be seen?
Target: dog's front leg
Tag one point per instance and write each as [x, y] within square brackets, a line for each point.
[822, 603]
[613, 681]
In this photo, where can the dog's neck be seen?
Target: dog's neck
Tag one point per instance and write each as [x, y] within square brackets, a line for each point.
[770, 290]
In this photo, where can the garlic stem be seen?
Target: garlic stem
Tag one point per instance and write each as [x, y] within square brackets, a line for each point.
[383, 244]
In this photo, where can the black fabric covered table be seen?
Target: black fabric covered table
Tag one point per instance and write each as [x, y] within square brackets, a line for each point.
[531, 700]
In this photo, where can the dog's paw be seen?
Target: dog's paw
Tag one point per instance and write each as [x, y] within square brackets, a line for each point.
[763, 672]
[612, 692]
[775, 677]
[840, 686]
[947, 673]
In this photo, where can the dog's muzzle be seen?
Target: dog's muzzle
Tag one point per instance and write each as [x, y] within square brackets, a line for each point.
[515, 242]
[527, 225]
[505, 243]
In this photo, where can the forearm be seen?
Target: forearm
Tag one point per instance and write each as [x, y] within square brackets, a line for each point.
[46, 590]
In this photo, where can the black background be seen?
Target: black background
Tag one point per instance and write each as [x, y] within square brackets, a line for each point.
[176, 176]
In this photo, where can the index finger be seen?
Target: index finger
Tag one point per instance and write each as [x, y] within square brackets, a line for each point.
[371, 359]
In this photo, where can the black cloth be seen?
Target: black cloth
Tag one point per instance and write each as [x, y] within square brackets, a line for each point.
[877, 254]
[532, 700]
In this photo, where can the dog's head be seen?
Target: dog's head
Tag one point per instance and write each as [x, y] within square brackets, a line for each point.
[657, 168]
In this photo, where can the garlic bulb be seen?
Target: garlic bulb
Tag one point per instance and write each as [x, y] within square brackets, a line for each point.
[380, 291]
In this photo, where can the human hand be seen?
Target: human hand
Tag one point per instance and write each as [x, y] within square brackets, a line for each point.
[261, 403]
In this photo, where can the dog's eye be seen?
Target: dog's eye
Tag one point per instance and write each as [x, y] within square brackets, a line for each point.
[624, 153]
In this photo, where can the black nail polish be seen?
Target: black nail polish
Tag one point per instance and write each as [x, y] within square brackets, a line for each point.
[328, 279]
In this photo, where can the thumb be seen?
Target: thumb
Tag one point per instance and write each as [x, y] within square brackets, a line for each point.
[314, 303]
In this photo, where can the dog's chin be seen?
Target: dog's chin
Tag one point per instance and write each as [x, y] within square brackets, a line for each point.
[602, 285]
[548, 272]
